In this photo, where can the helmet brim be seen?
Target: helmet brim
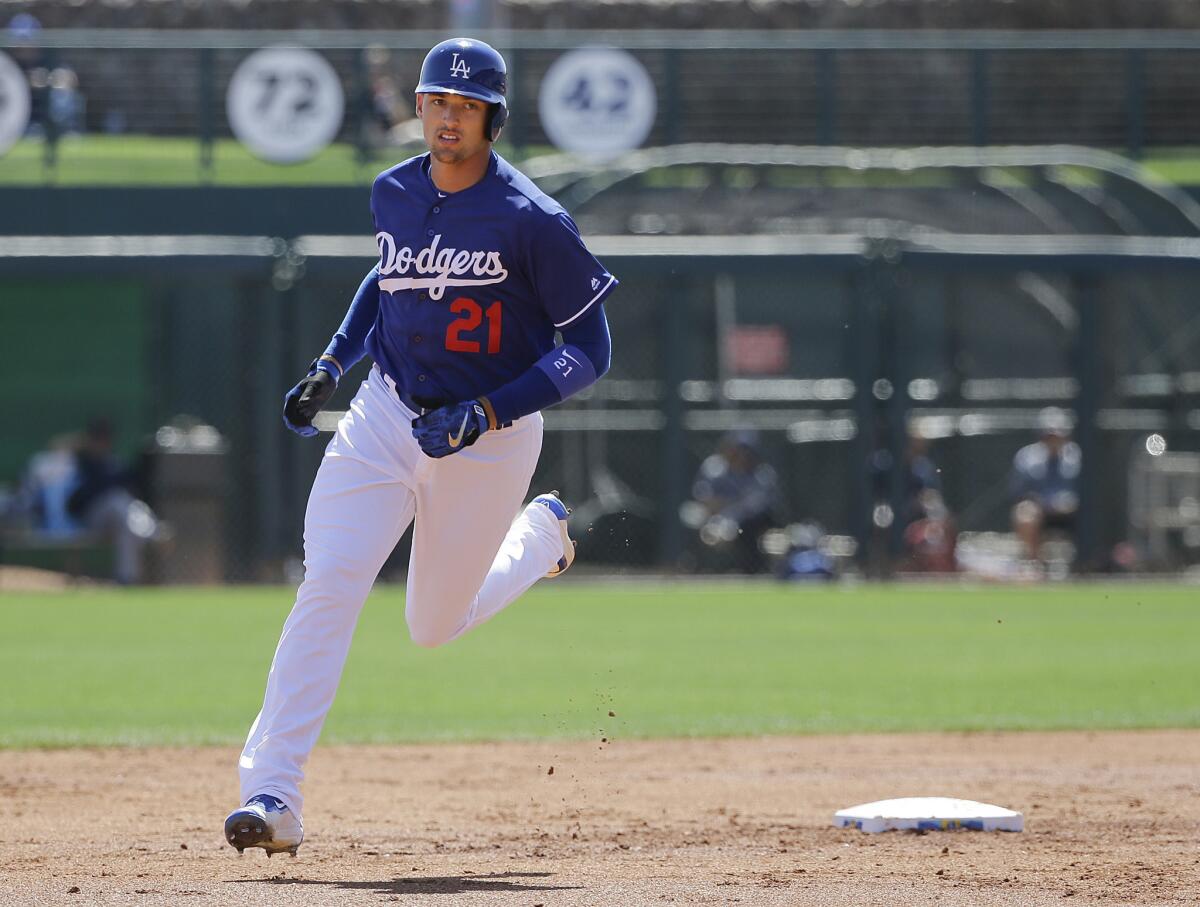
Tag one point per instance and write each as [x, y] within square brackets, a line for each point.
[479, 94]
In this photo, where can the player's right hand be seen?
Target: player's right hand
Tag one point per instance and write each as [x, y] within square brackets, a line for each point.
[450, 429]
[307, 399]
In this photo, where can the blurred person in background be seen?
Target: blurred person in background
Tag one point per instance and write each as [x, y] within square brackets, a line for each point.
[805, 558]
[65, 104]
[930, 533]
[102, 501]
[733, 500]
[928, 528]
[23, 29]
[391, 121]
[40, 504]
[921, 474]
[22, 33]
[1044, 482]
[57, 106]
[931, 537]
[77, 486]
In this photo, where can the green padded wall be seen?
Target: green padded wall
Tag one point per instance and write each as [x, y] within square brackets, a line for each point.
[72, 350]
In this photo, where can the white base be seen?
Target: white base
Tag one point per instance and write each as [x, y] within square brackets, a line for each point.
[929, 814]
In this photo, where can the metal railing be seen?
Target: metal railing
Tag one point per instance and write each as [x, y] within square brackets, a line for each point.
[938, 336]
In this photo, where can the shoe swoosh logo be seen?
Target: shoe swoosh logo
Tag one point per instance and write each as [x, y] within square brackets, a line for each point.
[456, 440]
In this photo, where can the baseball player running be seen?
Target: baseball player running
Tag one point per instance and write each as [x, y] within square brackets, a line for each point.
[477, 271]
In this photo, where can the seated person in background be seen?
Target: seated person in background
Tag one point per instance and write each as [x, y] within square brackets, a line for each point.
[928, 527]
[804, 559]
[734, 497]
[1044, 482]
[931, 538]
[921, 477]
[41, 501]
[921, 474]
[102, 501]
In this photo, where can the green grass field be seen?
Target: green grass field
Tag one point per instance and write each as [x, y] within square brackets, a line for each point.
[188, 666]
[137, 160]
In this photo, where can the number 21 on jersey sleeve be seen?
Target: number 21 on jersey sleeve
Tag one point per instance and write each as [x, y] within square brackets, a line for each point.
[470, 314]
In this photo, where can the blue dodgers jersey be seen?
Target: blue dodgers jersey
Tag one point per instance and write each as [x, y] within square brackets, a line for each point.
[473, 285]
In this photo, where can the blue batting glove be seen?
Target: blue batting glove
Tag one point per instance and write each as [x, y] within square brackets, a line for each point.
[449, 429]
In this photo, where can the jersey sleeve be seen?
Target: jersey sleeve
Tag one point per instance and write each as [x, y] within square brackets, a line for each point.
[569, 280]
[348, 345]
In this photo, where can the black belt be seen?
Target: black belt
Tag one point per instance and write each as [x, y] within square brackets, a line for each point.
[422, 405]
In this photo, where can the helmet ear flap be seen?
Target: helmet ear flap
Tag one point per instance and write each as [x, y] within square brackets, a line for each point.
[497, 117]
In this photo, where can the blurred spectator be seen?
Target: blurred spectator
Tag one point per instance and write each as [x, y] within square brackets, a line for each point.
[733, 501]
[1044, 483]
[930, 533]
[22, 32]
[931, 538]
[927, 527]
[65, 104]
[804, 558]
[388, 105]
[78, 486]
[23, 29]
[41, 502]
[57, 105]
[920, 475]
[393, 118]
[103, 502]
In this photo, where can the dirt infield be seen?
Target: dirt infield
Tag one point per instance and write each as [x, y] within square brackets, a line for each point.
[1111, 818]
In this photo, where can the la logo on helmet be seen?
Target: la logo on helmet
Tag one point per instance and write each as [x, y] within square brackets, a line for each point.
[459, 67]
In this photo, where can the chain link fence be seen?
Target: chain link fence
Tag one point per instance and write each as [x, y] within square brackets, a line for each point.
[838, 328]
[837, 359]
[1128, 91]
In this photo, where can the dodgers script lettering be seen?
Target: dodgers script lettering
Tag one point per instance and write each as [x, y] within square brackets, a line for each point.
[435, 268]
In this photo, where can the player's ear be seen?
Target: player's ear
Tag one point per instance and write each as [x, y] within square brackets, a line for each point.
[420, 104]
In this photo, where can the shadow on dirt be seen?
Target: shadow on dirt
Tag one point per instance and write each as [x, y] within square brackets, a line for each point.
[498, 881]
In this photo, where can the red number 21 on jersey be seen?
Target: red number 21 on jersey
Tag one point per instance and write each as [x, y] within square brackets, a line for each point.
[470, 314]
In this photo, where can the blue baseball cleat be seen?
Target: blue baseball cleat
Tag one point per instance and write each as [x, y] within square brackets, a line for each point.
[267, 823]
[561, 511]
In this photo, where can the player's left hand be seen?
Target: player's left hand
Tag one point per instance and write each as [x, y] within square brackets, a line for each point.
[306, 399]
[450, 428]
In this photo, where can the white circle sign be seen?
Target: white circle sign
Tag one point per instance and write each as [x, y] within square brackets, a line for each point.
[597, 101]
[14, 103]
[285, 104]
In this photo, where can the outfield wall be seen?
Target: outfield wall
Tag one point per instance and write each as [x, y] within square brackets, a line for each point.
[864, 340]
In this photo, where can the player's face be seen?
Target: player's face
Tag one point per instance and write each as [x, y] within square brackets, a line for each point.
[453, 126]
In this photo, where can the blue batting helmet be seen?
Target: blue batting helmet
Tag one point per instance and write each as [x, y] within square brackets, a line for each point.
[471, 68]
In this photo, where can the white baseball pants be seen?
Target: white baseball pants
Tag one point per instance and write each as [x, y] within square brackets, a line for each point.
[474, 552]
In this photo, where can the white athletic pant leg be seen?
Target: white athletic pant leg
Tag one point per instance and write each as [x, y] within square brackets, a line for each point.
[470, 558]
[531, 549]
[359, 507]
